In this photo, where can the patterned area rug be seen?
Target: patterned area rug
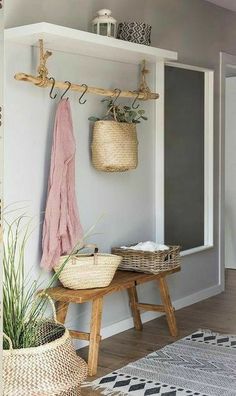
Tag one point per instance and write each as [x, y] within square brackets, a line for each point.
[202, 364]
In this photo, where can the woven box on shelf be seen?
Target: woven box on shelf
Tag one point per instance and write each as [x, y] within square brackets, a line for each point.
[135, 32]
[87, 271]
[114, 146]
[148, 262]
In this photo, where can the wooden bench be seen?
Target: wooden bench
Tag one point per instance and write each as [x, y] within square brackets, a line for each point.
[122, 280]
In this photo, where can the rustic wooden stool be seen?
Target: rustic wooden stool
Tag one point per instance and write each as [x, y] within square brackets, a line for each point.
[122, 280]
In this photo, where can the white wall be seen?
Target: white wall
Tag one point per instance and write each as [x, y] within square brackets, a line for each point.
[230, 172]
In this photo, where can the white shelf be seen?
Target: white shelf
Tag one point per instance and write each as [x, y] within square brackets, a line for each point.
[60, 38]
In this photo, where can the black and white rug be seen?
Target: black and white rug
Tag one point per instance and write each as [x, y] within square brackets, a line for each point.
[202, 364]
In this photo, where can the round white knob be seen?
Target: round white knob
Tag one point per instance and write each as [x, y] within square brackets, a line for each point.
[104, 11]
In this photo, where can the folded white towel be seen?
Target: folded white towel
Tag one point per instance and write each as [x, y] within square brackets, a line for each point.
[148, 246]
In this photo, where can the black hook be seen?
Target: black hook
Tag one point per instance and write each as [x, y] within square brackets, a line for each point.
[86, 88]
[117, 96]
[52, 88]
[67, 89]
[135, 100]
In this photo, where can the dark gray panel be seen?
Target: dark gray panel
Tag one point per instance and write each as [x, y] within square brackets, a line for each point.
[184, 157]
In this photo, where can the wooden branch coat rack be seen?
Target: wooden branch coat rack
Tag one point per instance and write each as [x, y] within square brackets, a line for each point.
[42, 80]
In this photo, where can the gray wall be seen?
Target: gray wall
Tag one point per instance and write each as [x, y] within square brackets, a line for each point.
[198, 31]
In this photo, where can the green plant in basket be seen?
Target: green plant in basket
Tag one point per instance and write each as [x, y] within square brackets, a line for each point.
[23, 309]
[36, 348]
[121, 113]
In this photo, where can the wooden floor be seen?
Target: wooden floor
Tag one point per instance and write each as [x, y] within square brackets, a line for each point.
[216, 313]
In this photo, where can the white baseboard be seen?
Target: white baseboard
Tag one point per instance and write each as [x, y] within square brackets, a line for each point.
[198, 296]
[127, 324]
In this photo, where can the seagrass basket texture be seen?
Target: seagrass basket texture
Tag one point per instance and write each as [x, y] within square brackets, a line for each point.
[114, 146]
[148, 262]
[85, 271]
[51, 368]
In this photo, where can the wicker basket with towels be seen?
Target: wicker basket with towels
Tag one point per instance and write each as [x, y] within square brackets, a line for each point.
[148, 261]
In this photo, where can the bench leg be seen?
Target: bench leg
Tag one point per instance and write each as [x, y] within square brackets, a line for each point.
[94, 339]
[133, 299]
[62, 308]
[169, 310]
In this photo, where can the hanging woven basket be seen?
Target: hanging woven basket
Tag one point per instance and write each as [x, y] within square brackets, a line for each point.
[51, 368]
[114, 146]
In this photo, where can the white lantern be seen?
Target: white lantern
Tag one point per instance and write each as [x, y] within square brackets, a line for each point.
[104, 24]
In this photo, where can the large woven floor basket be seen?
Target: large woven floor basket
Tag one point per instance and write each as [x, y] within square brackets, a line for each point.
[148, 262]
[85, 271]
[52, 368]
[114, 146]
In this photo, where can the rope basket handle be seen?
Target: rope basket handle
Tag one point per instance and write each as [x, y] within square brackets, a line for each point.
[9, 341]
[113, 110]
[114, 113]
[50, 300]
[90, 246]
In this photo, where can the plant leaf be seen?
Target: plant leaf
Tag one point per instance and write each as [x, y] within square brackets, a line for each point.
[105, 100]
[93, 119]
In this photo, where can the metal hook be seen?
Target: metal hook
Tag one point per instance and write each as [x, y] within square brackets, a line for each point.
[52, 88]
[67, 89]
[135, 100]
[86, 88]
[117, 96]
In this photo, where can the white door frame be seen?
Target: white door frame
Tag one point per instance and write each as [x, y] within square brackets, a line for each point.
[225, 60]
[208, 155]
